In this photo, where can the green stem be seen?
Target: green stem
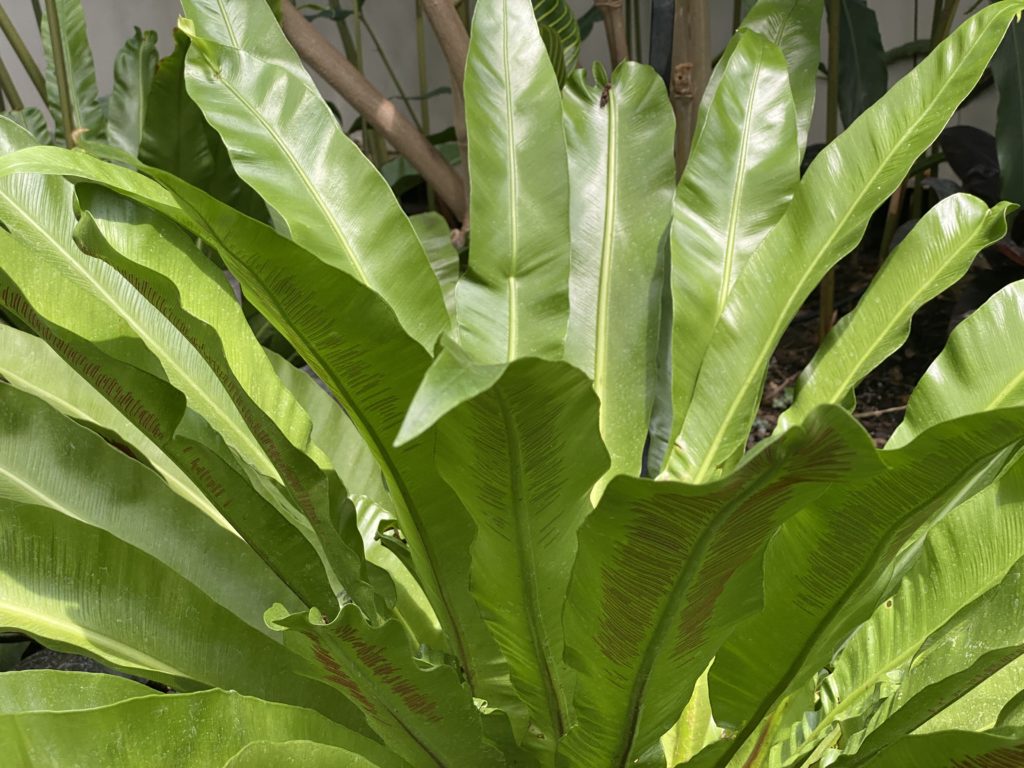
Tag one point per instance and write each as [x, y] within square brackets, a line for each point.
[38, 11]
[638, 44]
[737, 12]
[21, 51]
[391, 73]
[827, 289]
[8, 89]
[60, 72]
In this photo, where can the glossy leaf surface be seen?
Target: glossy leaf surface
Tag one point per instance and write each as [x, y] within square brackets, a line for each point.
[513, 300]
[85, 104]
[134, 69]
[621, 176]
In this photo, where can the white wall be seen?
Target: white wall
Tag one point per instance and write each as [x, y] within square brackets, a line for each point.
[111, 22]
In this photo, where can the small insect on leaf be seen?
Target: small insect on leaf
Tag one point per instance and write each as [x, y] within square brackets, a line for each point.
[606, 91]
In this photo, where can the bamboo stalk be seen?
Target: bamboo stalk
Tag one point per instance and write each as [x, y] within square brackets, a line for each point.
[8, 88]
[827, 289]
[454, 41]
[376, 109]
[61, 73]
[691, 69]
[21, 51]
[615, 28]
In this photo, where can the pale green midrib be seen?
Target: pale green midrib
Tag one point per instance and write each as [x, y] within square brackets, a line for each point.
[784, 682]
[910, 649]
[897, 319]
[512, 349]
[314, 195]
[109, 648]
[244, 436]
[557, 710]
[739, 184]
[674, 603]
[604, 290]
[36, 493]
[140, 102]
[183, 485]
[227, 24]
[754, 370]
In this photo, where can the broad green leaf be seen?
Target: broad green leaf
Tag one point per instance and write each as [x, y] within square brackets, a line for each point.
[620, 166]
[522, 458]
[134, 69]
[954, 749]
[738, 182]
[830, 566]
[47, 459]
[513, 300]
[195, 730]
[373, 369]
[980, 369]
[935, 254]
[296, 754]
[557, 16]
[830, 209]
[1008, 70]
[96, 597]
[305, 483]
[863, 74]
[423, 714]
[795, 27]
[54, 691]
[158, 410]
[436, 237]
[27, 362]
[154, 243]
[981, 709]
[333, 431]
[638, 650]
[937, 668]
[86, 110]
[286, 144]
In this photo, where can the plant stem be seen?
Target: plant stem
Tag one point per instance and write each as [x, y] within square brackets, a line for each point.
[638, 44]
[454, 41]
[827, 289]
[391, 73]
[8, 88]
[615, 27]
[376, 109]
[61, 73]
[737, 12]
[21, 51]
[691, 68]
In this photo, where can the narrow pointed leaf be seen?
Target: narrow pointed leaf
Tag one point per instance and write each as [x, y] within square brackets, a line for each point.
[123, 734]
[854, 175]
[522, 457]
[1008, 70]
[134, 69]
[28, 363]
[863, 75]
[620, 161]
[47, 459]
[953, 749]
[738, 181]
[309, 301]
[422, 714]
[639, 651]
[436, 237]
[305, 482]
[286, 144]
[85, 104]
[830, 566]
[513, 300]
[980, 369]
[101, 605]
[941, 247]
